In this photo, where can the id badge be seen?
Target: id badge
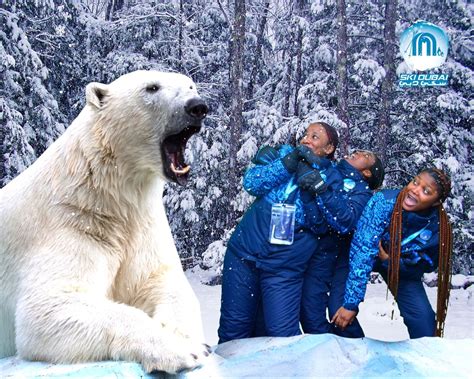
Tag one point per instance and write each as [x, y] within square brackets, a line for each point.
[282, 224]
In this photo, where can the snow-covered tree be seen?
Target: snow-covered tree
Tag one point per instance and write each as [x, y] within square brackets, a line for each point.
[30, 117]
[292, 70]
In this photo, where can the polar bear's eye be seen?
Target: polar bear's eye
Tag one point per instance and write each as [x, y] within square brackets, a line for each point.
[152, 88]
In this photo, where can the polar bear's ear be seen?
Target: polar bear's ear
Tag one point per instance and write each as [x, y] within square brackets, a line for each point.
[95, 93]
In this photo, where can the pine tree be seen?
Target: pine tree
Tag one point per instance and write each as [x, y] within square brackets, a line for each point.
[291, 72]
[30, 117]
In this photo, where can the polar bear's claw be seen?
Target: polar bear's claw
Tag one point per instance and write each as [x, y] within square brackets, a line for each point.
[172, 353]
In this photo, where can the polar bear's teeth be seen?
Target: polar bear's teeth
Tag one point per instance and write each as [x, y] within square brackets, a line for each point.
[182, 171]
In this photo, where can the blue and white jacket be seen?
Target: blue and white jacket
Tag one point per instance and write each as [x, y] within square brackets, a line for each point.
[276, 185]
[271, 183]
[419, 250]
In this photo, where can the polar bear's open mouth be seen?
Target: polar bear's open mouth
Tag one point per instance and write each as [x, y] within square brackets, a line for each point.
[172, 150]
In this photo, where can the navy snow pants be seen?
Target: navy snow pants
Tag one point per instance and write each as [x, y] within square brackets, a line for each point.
[272, 282]
[336, 297]
[324, 287]
[240, 298]
[415, 308]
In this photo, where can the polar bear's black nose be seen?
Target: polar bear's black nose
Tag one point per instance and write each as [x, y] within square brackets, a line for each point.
[196, 108]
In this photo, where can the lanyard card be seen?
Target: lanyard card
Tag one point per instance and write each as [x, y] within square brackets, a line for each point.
[282, 224]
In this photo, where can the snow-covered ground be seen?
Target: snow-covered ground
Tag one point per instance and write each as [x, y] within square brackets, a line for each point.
[375, 311]
[309, 355]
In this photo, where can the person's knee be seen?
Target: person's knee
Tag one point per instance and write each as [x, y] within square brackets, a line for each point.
[282, 317]
[313, 314]
[422, 324]
[239, 301]
[288, 330]
[353, 330]
[315, 326]
[416, 310]
[233, 328]
[335, 301]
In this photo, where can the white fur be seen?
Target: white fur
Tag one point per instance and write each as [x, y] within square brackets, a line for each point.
[88, 265]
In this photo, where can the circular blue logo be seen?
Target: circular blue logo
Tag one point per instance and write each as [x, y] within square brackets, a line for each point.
[425, 235]
[424, 45]
[349, 184]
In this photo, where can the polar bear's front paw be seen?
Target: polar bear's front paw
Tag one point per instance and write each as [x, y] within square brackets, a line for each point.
[185, 330]
[173, 354]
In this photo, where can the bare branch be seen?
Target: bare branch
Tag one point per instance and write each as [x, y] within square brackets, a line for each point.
[365, 36]
[357, 123]
[123, 20]
[399, 170]
[225, 14]
[51, 44]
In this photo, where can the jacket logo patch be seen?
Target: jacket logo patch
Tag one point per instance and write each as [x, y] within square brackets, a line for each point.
[349, 185]
[425, 235]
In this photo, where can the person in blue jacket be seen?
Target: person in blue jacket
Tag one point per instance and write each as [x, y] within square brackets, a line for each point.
[406, 234]
[268, 252]
[360, 173]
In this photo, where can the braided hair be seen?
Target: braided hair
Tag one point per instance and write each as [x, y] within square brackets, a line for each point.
[443, 184]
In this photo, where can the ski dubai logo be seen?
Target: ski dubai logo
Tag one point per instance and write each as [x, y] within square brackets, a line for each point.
[424, 46]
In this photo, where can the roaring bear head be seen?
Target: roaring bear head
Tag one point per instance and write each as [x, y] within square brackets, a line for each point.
[146, 117]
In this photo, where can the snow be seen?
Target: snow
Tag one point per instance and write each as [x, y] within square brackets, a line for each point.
[301, 356]
[248, 150]
[210, 300]
[213, 257]
[459, 280]
[17, 368]
[375, 312]
[332, 356]
[385, 352]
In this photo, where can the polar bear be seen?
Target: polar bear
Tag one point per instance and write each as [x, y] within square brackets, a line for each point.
[88, 266]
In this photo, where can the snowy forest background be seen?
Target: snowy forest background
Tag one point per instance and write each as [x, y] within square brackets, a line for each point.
[266, 68]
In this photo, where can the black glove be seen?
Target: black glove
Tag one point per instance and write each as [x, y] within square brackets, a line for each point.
[306, 154]
[265, 155]
[306, 197]
[290, 161]
[309, 179]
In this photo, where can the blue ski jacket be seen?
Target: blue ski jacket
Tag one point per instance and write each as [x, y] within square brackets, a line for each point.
[419, 250]
[342, 203]
[271, 183]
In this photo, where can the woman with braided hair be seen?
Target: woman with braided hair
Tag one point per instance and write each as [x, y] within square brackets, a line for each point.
[406, 234]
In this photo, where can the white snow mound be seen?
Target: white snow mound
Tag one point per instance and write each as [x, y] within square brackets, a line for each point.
[301, 356]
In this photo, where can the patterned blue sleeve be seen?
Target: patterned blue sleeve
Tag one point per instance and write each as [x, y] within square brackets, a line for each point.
[262, 178]
[365, 246]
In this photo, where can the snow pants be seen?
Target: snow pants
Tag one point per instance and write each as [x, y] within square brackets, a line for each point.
[270, 282]
[415, 308]
[324, 286]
